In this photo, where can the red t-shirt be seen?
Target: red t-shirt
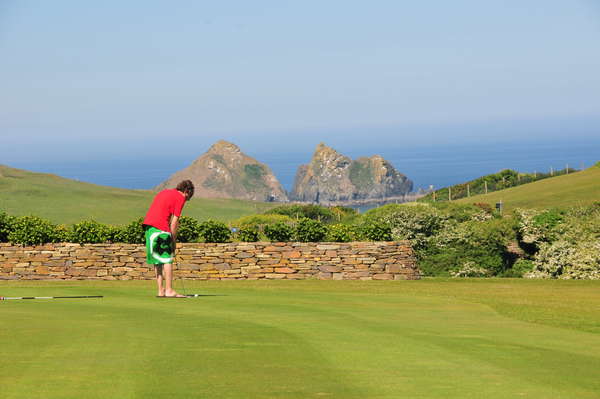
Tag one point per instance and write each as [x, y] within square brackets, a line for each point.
[165, 204]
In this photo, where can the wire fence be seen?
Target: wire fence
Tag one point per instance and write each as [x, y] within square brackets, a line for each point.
[498, 181]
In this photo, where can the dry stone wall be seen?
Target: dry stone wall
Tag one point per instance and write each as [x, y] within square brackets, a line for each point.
[203, 261]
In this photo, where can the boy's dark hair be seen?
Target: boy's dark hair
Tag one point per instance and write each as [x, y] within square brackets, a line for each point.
[186, 187]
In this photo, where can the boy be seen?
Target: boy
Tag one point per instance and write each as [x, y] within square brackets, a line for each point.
[161, 224]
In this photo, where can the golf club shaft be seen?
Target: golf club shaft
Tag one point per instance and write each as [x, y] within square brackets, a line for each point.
[2, 298]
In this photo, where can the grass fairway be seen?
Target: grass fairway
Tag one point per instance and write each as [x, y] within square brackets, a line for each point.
[303, 339]
[68, 201]
[580, 188]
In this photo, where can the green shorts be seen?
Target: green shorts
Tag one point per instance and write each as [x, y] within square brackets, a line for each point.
[159, 246]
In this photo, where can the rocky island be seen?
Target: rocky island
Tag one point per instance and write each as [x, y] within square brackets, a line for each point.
[334, 179]
[224, 171]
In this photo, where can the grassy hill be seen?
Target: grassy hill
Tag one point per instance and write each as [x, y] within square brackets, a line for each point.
[580, 188]
[68, 201]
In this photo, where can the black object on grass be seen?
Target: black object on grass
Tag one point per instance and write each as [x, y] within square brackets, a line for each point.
[4, 298]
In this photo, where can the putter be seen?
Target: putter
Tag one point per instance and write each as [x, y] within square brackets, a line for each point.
[185, 292]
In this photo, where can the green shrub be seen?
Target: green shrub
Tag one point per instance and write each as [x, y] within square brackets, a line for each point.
[90, 232]
[460, 212]
[520, 268]
[6, 226]
[213, 231]
[260, 221]
[309, 230]
[481, 243]
[279, 232]
[248, 234]
[314, 212]
[548, 219]
[376, 231]
[62, 234]
[132, 233]
[32, 230]
[115, 234]
[442, 261]
[340, 233]
[188, 229]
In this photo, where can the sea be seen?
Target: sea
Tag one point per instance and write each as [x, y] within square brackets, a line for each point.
[428, 166]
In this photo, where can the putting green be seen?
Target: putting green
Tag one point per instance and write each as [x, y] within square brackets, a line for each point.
[303, 339]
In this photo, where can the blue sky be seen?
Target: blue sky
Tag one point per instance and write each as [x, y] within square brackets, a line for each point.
[106, 79]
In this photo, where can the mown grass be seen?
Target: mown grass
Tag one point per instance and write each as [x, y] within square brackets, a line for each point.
[492, 338]
[68, 201]
[580, 188]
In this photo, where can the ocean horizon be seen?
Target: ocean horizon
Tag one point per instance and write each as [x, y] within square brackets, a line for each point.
[434, 166]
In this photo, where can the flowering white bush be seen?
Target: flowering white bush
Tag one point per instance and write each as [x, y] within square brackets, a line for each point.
[530, 231]
[470, 269]
[565, 260]
[415, 222]
[482, 216]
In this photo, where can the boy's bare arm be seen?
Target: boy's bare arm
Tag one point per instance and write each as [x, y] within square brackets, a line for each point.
[174, 226]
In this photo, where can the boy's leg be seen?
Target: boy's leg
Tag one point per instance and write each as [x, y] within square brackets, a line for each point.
[168, 276]
[158, 269]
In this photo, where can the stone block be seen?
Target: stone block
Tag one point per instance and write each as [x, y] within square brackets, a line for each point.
[326, 247]
[330, 269]
[249, 269]
[268, 262]
[245, 248]
[359, 274]
[393, 268]
[232, 271]
[383, 276]
[222, 266]
[291, 254]
[275, 276]
[284, 270]
[88, 273]
[324, 276]
[337, 276]
[243, 255]
[368, 260]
